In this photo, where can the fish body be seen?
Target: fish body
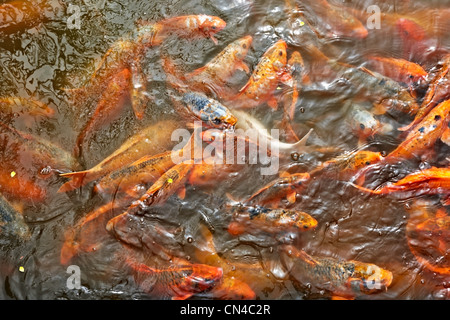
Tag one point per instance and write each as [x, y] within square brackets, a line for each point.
[411, 74]
[147, 141]
[386, 93]
[170, 182]
[284, 187]
[249, 124]
[296, 67]
[108, 108]
[177, 282]
[438, 91]
[264, 80]
[423, 135]
[336, 21]
[214, 75]
[428, 181]
[342, 277]
[26, 106]
[37, 153]
[251, 219]
[12, 222]
[348, 165]
[139, 173]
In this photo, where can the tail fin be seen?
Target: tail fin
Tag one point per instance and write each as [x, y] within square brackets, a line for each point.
[300, 145]
[77, 179]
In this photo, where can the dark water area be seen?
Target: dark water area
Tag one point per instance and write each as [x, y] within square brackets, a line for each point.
[45, 56]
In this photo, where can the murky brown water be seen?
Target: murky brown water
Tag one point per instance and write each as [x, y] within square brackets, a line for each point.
[41, 55]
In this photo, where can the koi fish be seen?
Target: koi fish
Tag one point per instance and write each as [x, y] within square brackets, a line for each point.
[284, 187]
[438, 91]
[363, 123]
[108, 108]
[250, 219]
[297, 70]
[139, 173]
[428, 235]
[147, 141]
[268, 73]
[27, 106]
[169, 183]
[385, 93]
[348, 165]
[428, 181]
[345, 278]
[214, 75]
[198, 106]
[179, 282]
[424, 134]
[418, 47]
[18, 185]
[401, 70]
[44, 155]
[12, 222]
[336, 21]
[246, 122]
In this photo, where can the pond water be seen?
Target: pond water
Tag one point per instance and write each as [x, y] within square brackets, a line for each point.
[50, 49]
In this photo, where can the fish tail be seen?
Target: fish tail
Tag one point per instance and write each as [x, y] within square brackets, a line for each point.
[300, 145]
[77, 179]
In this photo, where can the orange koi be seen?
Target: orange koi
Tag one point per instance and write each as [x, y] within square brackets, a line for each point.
[260, 88]
[424, 134]
[336, 21]
[345, 278]
[297, 71]
[139, 173]
[36, 153]
[286, 186]
[251, 219]
[428, 181]
[16, 184]
[215, 74]
[169, 183]
[178, 282]
[25, 106]
[438, 91]
[147, 141]
[348, 165]
[401, 70]
[108, 108]
[384, 92]
[428, 235]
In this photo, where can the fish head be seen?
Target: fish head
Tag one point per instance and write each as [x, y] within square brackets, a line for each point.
[369, 278]
[241, 46]
[298, 179]
[210, 25]
[277, 55]
[220, 118]
[366, 158]
[202, 278]
[410, 30]
[304, 221]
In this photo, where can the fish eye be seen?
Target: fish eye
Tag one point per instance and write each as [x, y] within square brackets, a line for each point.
[280, 53]
[411, 76]
[213, 27]
[244, 46]
[362, 126]
[367, 163]
[216, 121]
